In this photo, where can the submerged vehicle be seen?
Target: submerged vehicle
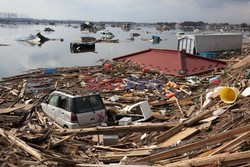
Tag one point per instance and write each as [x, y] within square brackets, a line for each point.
[82, 47]
[106, 35]
[75, 111]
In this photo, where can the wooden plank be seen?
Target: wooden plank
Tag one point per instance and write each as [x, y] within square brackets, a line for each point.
[241, 63]
[135, 153]
[178, 104]
[197, 145]
[110, 148]
[235, 158]
[179, 136]
[147, 127]
[190, 111]
[231, 143]
[164, 136]
[61, 141]
[24, 85]
[113, 165]
[8, 110]
[209, 119]
[20, 143]
[179, 127]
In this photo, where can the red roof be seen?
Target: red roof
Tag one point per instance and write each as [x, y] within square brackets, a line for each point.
[173, 62]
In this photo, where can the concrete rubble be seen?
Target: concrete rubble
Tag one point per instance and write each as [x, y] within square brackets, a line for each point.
[183, 120]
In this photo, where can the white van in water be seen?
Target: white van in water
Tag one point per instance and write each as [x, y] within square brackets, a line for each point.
[72, 112]
[106, 35]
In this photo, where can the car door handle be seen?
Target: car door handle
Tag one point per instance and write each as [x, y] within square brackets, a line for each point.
[91, 119]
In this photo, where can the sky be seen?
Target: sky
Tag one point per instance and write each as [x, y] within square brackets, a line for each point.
[150, 11]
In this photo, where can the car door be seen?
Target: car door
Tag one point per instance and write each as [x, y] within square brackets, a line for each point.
[84, 111]
[97, 108]
[90, 110]
[64, 114]
[51, 106]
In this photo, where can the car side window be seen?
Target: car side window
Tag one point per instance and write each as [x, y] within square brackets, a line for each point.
[54, 100]
[62, 102]
[68, 104]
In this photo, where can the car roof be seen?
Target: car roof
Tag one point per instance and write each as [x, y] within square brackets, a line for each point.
[72, 95]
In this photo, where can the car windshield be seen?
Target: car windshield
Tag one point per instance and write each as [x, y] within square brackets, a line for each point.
[89, 103]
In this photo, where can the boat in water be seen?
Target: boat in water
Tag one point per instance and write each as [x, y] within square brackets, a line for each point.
[106, 35]
[30, 38]
[37, 39]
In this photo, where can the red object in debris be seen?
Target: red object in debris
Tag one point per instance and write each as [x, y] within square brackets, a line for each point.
[107, 66]
[169, 95]
[145, 70]
[173, 62]
[216, 82]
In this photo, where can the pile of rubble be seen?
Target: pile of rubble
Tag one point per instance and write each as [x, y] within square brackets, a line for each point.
[189, 124]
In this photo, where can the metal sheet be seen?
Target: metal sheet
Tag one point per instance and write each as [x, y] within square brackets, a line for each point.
[173, 62]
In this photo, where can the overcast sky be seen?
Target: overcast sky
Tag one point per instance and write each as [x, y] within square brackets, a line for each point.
[232, 11]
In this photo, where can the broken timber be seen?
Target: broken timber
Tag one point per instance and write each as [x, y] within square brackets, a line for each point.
[223, 159]
[20, 143]
[115, 129]
[193, 146]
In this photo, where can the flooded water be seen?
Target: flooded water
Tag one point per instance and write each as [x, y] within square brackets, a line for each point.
[22, 56]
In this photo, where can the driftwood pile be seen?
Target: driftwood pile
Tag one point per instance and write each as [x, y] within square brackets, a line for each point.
[182, 131]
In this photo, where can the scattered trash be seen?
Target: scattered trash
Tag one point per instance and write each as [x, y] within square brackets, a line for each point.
[145, 70]
[143, 136]
[125, 121]
[246, 92]
[181, 120]
[107, 66]
[219, 112]
[114, 98]
[142, 110]
[215, 80]
[110, 139]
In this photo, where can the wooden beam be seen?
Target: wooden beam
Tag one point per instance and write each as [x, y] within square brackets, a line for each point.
[231, 143]
[20, 143]
[147, 127]
[113, 165]
[24, 85]
[194, 146]
[179, 136]
[179, 127]
[235, 158]
[8, 110]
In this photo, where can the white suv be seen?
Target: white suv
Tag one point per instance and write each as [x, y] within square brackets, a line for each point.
[72, 112]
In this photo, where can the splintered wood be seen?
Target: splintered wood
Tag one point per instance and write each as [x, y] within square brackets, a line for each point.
[180, 132]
